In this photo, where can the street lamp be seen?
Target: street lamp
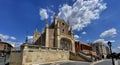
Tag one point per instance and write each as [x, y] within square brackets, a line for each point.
[110, 44]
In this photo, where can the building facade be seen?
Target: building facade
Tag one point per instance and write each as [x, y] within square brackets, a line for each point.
[4, 46]
[58, 35]
[101, 49]
[84, 48]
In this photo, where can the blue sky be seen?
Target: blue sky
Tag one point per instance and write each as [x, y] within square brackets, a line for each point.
[91, 21]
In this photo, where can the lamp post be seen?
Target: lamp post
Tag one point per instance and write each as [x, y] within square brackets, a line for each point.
[110, 44]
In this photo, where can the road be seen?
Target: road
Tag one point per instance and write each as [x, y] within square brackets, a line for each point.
[108, 62]
[69, 63]
[118, 62]
[105, 62]
[75, 63]
[1, 61]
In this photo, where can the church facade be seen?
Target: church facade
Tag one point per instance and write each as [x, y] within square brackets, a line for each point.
[57, 35]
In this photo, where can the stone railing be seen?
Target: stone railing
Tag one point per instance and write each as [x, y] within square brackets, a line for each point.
[36, 47]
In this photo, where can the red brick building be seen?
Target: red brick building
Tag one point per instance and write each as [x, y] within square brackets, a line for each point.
[82, 47]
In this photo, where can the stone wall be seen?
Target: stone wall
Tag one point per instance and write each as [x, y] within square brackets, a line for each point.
[44, 56]
[16, 58]
[38, 55]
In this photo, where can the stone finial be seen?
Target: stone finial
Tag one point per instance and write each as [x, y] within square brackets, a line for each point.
[55, 16]
[35, 35]
[47, 23]
[42, 30]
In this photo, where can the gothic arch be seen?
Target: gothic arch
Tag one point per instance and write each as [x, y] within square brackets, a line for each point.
[66, 44]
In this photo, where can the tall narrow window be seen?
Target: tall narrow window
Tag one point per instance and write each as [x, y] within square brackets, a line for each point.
[62, 30]
[63, 24]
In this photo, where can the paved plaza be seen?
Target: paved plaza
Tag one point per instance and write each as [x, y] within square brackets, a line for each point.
[101, 62]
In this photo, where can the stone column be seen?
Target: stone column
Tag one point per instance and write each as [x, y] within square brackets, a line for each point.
[47, 35]
[58, 35]
[73, 46]
[58, 42]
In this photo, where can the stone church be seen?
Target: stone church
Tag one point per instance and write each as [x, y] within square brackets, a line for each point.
[57, 35]
[55, 43]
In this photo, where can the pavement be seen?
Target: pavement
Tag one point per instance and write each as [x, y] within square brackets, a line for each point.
[107, 62]
[68, 63]
[100, 62]
[1, 60]
[118, 62]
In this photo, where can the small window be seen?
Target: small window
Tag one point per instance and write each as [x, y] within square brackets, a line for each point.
[62, 30]
[63, 24]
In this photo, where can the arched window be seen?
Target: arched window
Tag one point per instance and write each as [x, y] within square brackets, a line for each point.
[65, 44]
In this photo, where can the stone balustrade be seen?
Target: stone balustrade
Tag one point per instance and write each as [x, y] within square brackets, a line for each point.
[42, 48]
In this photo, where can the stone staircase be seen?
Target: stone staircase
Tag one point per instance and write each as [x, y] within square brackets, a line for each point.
[85, 57]
[79, 57]
[75, 57]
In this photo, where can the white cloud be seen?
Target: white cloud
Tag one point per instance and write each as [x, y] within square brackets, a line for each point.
[117, 49]
[13, 38]
[10, 39]
[103, 41]
[14, 43]
[84, 32]
[100, 40]
[50, 11]
[6, 37]
[43, 14]
[76, 37]
[30, 37]
[107, 33]
[81, 12]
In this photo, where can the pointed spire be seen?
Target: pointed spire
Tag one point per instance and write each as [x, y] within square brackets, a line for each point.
[36, 30]
[55, 16]
[26, 41]
[46, 23]
[35, 35]
[42, 30]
